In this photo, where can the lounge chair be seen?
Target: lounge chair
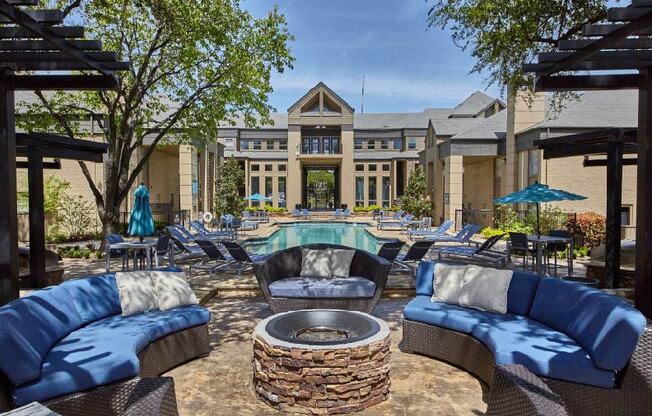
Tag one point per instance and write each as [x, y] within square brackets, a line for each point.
[482, 253]
[415, 254]
[389, 251]
[338, 213]
[401, 223]
[440, 231]
[213, 235]
[215, 260]
[241, 259]
[296, 213]
[462, 237]
[346, 213]
[305, 213]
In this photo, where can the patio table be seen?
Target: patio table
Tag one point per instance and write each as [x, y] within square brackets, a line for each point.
[146, 245]
[540, 241]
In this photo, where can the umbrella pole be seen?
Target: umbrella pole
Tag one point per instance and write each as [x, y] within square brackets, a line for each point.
[538, 222]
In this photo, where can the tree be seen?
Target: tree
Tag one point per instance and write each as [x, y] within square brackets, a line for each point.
[414, 199]
[194, 64]
[502, 35]
[230, 178]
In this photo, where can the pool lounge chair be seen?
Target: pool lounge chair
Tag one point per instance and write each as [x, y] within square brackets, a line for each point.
[338, 213]
[215, 260]
[416, 253]
[305, 213]
[462, 237]
[241, 259]
[390, 251]
[346, 213]
[440, 231]
[484, 253]
[401, 223]
[205, 233]
[248, 219]
[296, 213]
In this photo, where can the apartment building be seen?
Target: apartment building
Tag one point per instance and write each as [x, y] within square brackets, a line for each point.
[322, 155]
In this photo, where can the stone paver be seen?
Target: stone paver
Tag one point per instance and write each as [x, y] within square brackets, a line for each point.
[222, 384]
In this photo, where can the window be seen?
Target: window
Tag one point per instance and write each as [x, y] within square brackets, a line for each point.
[255, 188]
[385, 192]
[359, 168]
[268, 168]
[228, 143]
[281, 191]
[258, 144]
[384, 144]
[398, 144]
[372, 191]
[359, 191]
[281, 168]
[371, 145]
[283, 145]
[269, 187]
[533, 163]
[270, 144]
[372, 168]
[255, 168]
[244, 144]
[412, 143]
[358, 144]
[625, 215]
[385, 168]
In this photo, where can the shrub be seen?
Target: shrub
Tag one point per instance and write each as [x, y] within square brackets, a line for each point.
[75, 216]
[589, 227]
[505, 217]
[550, 218]
[415, 200]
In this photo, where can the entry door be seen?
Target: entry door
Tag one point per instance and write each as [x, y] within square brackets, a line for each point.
[320, 188]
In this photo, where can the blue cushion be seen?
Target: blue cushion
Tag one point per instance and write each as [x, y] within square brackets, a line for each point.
[425, 274]
[543, 350]
[156, 324]
[520, 294]
[95, 297]
[89, 357]
[323, 287]
[30, 326]
[605, 325]
[456, 318]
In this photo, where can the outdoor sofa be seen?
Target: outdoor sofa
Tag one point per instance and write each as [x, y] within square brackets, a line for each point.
[592, 350]
[285, 289]
[70, 348]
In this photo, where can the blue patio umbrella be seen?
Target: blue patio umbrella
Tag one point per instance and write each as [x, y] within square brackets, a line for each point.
[257, 197]
[141, 221]
[536, 194]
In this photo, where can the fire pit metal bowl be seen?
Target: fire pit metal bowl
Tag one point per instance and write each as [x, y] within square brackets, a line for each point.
[321, 361]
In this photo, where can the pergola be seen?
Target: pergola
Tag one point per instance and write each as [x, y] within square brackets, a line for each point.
[38, 52]
[614, 143]
[616, 54]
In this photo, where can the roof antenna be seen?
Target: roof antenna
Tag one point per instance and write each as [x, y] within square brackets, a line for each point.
[362, 109]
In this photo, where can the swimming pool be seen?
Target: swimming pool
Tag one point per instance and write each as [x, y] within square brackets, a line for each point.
[297, 234]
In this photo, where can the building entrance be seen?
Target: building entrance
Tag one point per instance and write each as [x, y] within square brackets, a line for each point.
[321, 188]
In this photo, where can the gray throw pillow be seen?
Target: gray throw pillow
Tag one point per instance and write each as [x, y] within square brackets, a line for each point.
[485, 289]
[341, 260]
[137, 294]
[172, 290]
[315, 263]
[447, 283]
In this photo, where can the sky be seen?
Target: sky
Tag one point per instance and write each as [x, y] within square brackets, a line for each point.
[407, 65]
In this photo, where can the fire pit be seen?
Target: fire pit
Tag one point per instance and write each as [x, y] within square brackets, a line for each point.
[321, 361]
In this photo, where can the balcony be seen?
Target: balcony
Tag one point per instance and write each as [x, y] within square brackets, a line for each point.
[320, 147]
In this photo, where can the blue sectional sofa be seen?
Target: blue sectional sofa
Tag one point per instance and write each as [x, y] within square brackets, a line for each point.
[590, 348]
[72, 338]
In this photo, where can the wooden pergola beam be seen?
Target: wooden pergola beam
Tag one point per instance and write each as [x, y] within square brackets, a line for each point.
[64, 82]
[587, 82]
[590, 163]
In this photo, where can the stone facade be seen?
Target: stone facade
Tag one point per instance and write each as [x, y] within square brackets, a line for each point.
[322, 381]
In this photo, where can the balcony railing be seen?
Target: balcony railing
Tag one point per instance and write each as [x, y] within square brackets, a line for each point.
[333, 149]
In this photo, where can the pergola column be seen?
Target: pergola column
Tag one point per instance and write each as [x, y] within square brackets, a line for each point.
[643, 293]
[9, 282]
[36, 218]
[614, 202]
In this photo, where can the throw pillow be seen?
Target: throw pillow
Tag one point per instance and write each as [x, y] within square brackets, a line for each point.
[485, 289]
[315, 263]
[447, 283]
[341, 260]
[137, 294]
[172, 290]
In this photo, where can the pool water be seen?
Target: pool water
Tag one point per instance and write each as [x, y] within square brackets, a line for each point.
[291, 235]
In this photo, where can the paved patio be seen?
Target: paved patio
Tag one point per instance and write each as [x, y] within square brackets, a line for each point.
[221, 384]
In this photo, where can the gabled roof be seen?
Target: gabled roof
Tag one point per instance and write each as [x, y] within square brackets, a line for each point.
[475, 104]
[328, 91]
[492, 128]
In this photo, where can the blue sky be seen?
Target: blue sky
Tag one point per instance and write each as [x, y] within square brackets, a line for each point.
[408, 66]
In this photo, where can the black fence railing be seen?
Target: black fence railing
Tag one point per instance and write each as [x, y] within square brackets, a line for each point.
[162, 217]
[487, 218]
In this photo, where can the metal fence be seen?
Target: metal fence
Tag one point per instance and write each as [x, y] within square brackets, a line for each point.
[162, 217]
[487, 217]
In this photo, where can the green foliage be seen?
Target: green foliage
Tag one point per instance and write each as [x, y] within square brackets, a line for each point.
[230, 178]
[414, 199]
[503, 35]
[53, 191]
[194, 64]
[75, 216]
[370, 208]
[550, 218]
[505, 217]
[322, 177]
[590, 228]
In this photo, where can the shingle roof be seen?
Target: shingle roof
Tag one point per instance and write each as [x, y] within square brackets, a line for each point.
[408, 154]
[474, 104]
[493, 127]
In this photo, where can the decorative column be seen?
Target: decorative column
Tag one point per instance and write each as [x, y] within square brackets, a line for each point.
[454, 186]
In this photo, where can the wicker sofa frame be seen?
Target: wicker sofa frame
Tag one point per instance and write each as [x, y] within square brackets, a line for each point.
[142, 395]
[287, 263]
[631, 396]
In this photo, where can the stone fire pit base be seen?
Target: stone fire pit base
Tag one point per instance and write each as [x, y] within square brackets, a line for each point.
[324, 380]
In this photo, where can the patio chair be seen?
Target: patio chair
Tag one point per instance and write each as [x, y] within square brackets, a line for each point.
[241, 259]
[416, 253]
[389, 251]
[161, 249]
[205, 233]
[305, 213]
[520, 246]
[116, 253]
[296, 213]
[462, 237]
[483, 253]
[346, 213]
[338, 213]
[401, 223]
[440, 231]
[215, 260]
[555, 248]
[262, 216]
[248, 219]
